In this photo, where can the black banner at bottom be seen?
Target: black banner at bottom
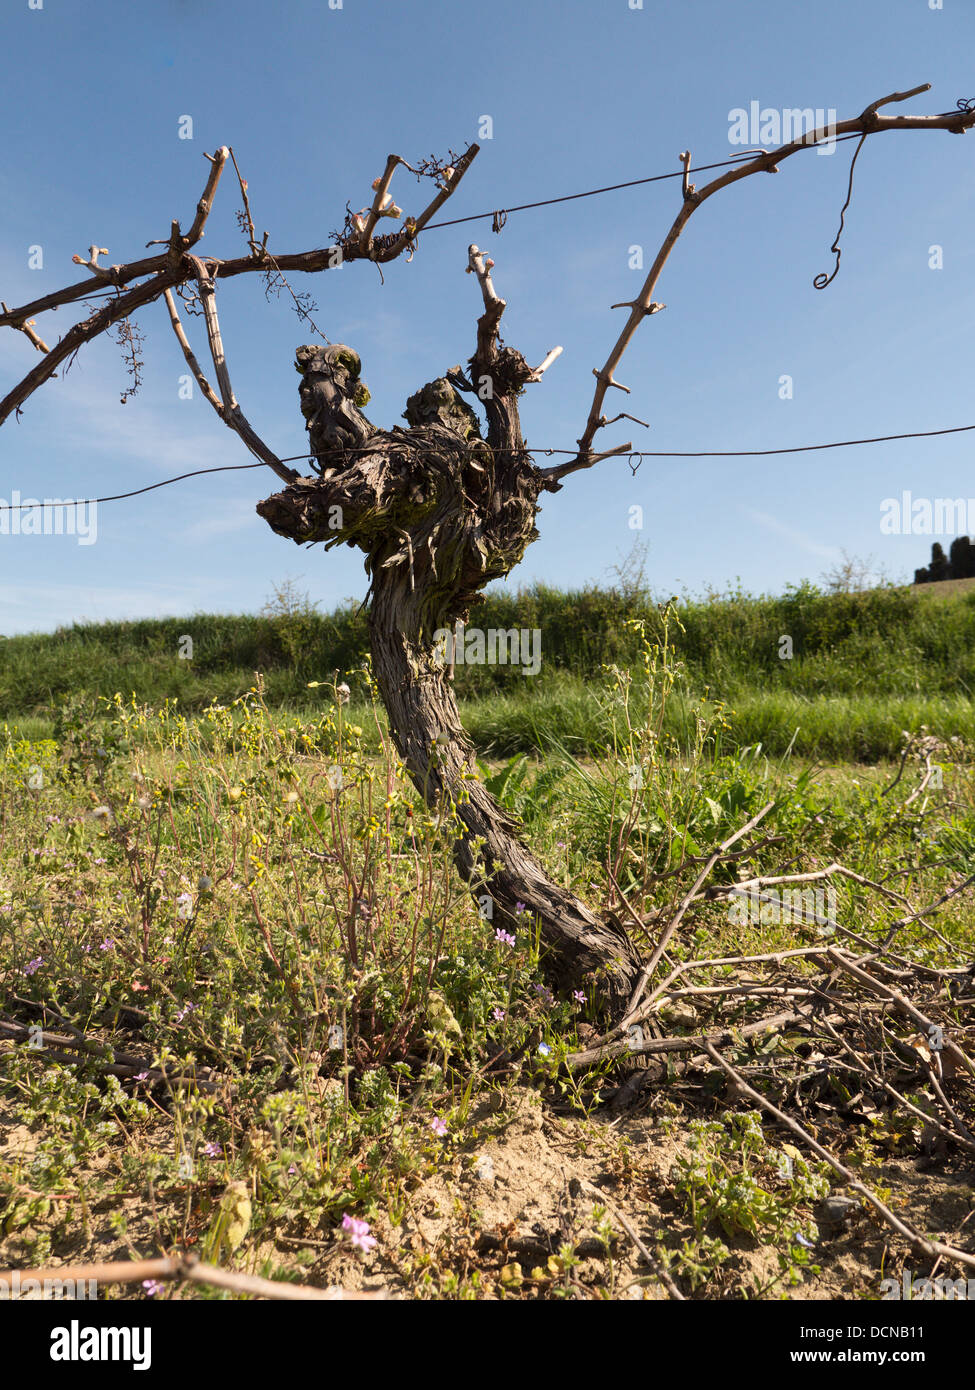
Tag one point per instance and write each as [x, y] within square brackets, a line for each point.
[67, 1340]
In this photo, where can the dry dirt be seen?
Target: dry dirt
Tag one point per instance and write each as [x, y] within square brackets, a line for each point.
[505, 1202]
[537, 1194]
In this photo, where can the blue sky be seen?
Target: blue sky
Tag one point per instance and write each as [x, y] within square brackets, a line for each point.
[581, 93]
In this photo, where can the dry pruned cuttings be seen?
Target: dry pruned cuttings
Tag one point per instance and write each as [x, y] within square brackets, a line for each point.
[766, 995]
[898, 1029]
[932, 1249]
[840, 1039]
[869, 1044]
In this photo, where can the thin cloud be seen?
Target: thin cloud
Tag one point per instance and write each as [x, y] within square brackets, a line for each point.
[81, 411]
[238, 516]
[28, 608]
[779, 528]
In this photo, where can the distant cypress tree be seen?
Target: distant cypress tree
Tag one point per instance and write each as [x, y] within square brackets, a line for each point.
[962, 558]
[960, 565]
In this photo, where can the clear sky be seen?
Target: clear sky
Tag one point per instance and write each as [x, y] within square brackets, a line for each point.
[581, 93]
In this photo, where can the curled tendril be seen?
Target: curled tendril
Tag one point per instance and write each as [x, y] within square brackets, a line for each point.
[822, 280]
[634, 468]
[965, 103]
[500, 218]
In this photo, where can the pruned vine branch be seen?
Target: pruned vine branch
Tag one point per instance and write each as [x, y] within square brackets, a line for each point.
[767, 162]
[176, 266]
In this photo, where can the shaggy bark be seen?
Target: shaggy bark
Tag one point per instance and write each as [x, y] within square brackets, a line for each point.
[440, 512]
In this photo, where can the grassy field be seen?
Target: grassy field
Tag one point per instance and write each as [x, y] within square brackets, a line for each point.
[248, 1011]
[863, 666]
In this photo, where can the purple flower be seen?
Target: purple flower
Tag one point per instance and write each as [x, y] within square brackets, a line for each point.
[439, 1127]
[519, 908]
[358, 1232]
[560, 844]
[504, 938]
[188, 1007]
[141, 1076]
[107, 945]
[212, 1150]
[498, 1015]
[544, 1050]
[579, 995]
[545, 995]
[33, 965]
[152, 1287]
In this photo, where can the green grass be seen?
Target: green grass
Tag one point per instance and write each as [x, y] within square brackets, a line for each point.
[865, 666]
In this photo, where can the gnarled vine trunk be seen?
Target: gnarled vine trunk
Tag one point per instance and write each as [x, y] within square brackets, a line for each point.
[440, 512]
[583, 952]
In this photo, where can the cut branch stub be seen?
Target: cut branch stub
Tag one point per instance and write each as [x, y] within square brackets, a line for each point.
[332, 395]
[494, 307]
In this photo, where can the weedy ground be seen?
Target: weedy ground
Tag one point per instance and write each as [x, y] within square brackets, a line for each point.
[246, 1003]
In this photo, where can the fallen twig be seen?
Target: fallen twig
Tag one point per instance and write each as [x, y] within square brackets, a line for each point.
[655, 1267]
[185, 1267]
[55, 1047]
[902, 1003]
